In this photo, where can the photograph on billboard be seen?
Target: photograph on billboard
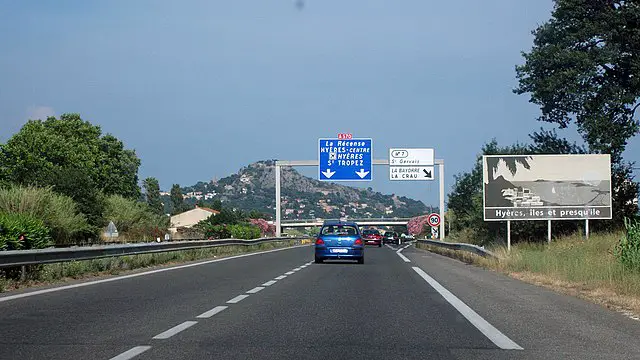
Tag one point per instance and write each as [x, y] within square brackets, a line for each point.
[546, 187]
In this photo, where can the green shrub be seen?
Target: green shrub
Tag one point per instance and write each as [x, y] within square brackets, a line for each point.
[628, 249]
[214, 231]
[58, 212]
[244, 231]
[13, 225]
[135, 220]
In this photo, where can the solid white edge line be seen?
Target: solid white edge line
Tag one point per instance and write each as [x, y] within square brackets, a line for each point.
[131, 353]
[210, 313]
[95, 282]
[281, 277]
[493, 334]
[174, 330]
[255, 290]
[237, 299]
[269, 283]
[289, 273]
[297, 269]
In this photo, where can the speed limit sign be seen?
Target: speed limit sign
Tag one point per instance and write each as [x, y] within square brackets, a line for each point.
[434, 220]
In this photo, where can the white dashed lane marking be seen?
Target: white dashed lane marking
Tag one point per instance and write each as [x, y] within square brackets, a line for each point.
[131, 353]
[237, 299]
[174, 330]
[135, 351]
[255, 290]
[402, 256]
[212, 312]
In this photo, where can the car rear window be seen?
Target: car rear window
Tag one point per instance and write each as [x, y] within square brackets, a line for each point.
[340, 230]
[370, 232]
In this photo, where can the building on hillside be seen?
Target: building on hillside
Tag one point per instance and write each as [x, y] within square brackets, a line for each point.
[189, 218]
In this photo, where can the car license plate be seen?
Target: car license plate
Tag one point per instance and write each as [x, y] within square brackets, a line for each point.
[340, 251]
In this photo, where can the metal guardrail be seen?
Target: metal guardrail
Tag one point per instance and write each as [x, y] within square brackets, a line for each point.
[474, 249]
[289, 221]
[14, 258]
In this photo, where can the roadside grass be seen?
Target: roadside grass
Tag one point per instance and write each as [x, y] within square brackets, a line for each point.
[466, 236]
[60, 272]
[571, 265]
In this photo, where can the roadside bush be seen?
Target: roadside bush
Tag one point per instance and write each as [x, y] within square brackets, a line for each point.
[419, 225]
[13, 225]
[214, 231]
[628, 249]
[264, 226]
[58, 212]
[244, 231]
[134, 220]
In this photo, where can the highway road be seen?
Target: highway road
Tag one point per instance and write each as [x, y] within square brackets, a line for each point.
[279, 305]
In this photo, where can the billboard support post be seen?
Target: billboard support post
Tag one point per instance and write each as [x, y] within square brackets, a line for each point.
[549, 231]
[586, 229]
[509, 235]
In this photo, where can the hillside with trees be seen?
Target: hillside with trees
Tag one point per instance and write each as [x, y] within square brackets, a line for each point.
[253, 188]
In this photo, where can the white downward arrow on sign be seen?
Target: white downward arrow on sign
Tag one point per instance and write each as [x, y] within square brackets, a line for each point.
[328, 173]
[362, 173]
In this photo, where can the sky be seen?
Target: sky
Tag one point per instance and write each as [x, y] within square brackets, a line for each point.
[202, 88]
[587, 168]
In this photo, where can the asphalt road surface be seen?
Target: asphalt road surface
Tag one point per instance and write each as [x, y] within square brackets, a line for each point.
[279, 305]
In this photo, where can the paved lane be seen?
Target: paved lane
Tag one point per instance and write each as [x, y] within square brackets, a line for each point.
[103, 320]
[379, 310]
[279, 305]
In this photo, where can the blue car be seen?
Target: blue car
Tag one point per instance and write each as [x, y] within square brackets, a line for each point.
[339, 240]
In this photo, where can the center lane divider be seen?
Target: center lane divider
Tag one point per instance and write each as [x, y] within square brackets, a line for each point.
[137, 350]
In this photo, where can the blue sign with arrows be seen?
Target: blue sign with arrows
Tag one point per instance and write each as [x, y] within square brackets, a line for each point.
[344, 160]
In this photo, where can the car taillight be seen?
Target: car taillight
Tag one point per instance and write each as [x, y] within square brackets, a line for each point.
[357, 242]
[319, 241]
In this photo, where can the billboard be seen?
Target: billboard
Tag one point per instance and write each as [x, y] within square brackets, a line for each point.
[546, 187]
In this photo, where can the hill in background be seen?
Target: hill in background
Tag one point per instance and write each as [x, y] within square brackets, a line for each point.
[253, 188]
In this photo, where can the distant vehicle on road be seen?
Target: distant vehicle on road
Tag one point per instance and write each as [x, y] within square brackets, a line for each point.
[339, 240]
[407, 236]
[391, 237]
[372, 237]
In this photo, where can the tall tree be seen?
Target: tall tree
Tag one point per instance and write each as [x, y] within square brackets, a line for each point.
[177, 200]
[152, 194]
[75, 158]
[585, 68]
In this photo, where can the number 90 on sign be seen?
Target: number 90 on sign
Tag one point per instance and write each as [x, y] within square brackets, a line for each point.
[434, 220]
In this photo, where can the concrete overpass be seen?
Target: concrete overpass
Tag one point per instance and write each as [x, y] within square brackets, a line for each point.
[361, 222]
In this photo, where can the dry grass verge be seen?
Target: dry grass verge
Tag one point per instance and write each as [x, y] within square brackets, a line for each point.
[586, 269]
